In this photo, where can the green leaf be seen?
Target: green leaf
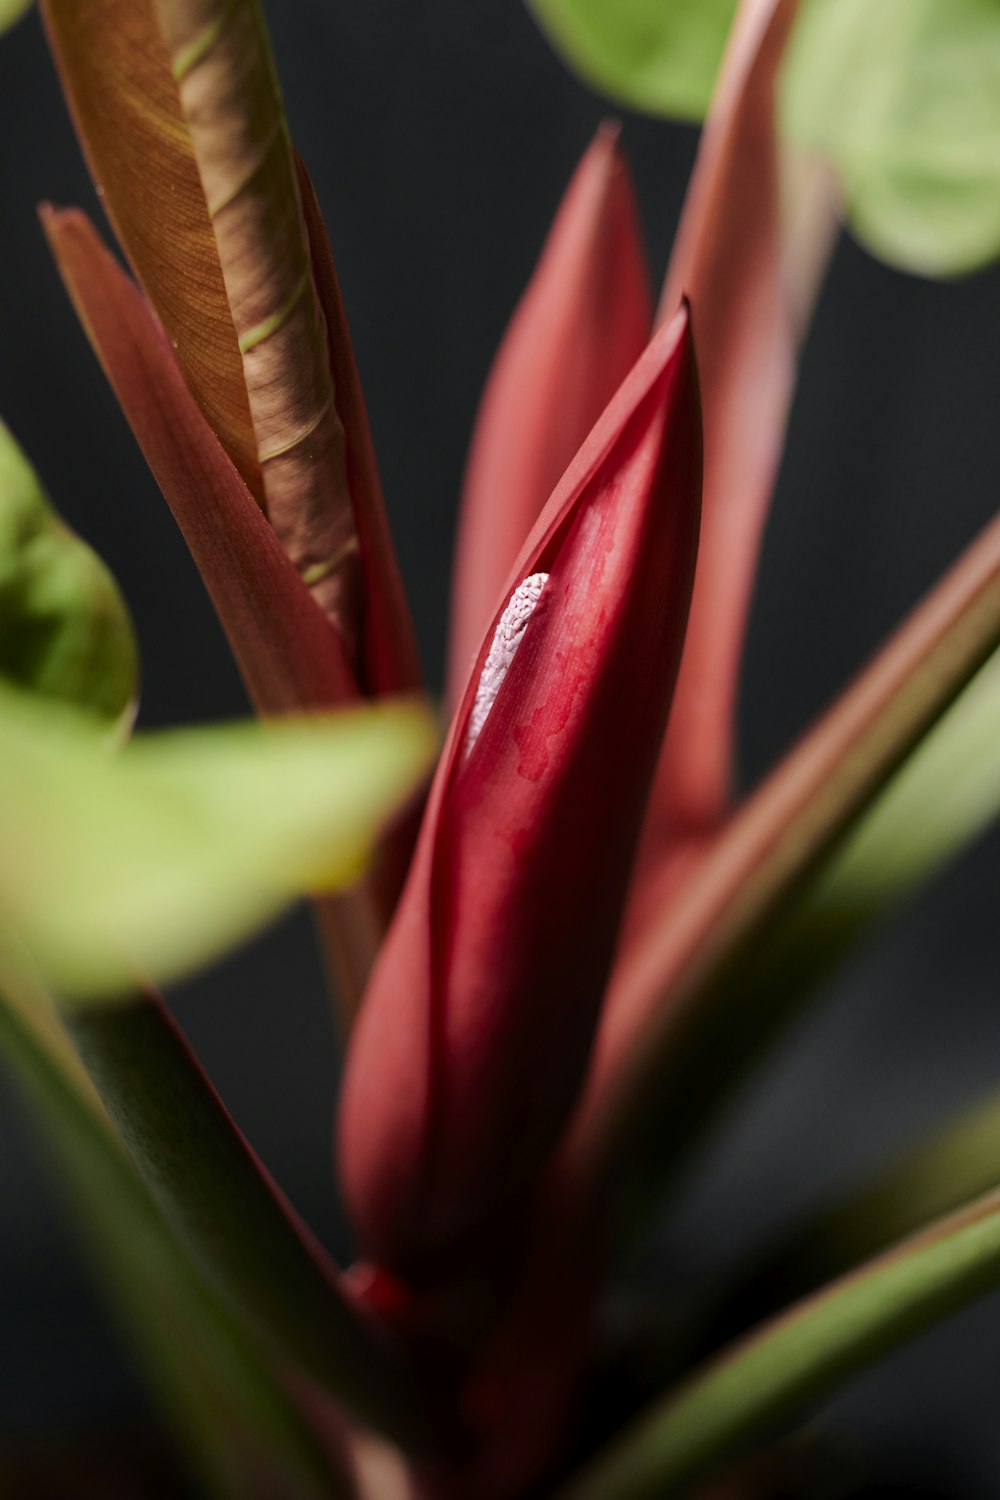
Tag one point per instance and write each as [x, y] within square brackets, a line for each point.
[64, 629]
[655, 55]
[227, 1214]
[941, 799]
[757, 1389]
[697, 994]
[228, 1409]
[155, 860]
[944, 1170]
[903, 97]
[11, 11]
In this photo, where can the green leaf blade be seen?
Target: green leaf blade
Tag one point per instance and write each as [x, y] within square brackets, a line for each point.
[11, 11]
[65, 631]
[229, 1412]
[151, 862]
[231, 1219]
[763, 1385]
[903, 98]
[647, 54]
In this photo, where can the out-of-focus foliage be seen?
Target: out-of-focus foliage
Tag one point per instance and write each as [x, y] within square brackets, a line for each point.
[11, 11]
[151, 861]
[656, 55]
[64, 629]
[901, 96]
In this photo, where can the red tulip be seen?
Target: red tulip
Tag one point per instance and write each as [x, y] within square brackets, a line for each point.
[475, 1031]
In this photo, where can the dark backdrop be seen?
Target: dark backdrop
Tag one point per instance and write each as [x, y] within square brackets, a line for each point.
[440, 134]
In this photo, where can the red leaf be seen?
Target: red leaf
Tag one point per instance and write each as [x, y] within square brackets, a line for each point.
[577, 331]
[475, 1030]
[389, 658]
[290, 656]
[731, 259]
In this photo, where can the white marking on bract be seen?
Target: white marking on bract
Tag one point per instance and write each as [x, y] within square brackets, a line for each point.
[503, 648]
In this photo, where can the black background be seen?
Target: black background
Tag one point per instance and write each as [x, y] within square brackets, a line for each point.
[440, 134]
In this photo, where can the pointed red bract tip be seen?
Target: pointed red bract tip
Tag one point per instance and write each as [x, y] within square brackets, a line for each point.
[388, 649]
[730, 258]
[579, 328]
[475, 1031]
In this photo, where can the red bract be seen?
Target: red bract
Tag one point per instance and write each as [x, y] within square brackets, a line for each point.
[475, 1030]
[579, 328]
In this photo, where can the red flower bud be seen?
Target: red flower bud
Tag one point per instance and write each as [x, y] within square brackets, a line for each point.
[476, 1027]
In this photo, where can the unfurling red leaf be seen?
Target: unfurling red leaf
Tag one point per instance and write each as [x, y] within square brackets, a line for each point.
[152, 861]
[221, 62]
[121, 93]
[65, 631]
[475, 1028]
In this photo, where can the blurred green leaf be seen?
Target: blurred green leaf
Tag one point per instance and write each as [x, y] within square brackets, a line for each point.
[942, 798]
[228, 1215]
[64, 629]
[707, 989]
[11, 11]
[655, 55]
[236, 1422]
[901, 96]
[758, 1388]
[943, 1170]
[150, 862]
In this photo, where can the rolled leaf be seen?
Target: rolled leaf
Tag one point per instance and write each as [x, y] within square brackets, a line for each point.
[157, 859]
[666, 1010]
[228, 1410]
[221, 61]
[577, 331]
[65, 631]
[289, 655]
[476, 1026]
[760, 1387]
[116, 77]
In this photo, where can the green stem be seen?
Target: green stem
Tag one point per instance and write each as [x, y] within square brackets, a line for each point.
[224, 1208]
